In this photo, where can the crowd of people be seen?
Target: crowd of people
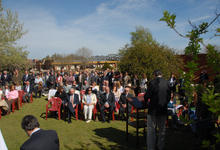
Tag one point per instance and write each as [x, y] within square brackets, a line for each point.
[91, 88]
[104, 91]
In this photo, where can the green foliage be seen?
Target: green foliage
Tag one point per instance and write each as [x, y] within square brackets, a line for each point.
[107, 66]
[209, 97]
[64, 58]
[191, 50]
[212, 99]
[213, 58]
[142, 35]
[12, 56]
[169, 18]
[144, 55]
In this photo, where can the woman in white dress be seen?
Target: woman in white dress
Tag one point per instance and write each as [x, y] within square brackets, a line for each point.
[89, 102]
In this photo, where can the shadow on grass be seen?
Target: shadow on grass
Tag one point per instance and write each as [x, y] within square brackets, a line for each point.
[118, 138]
[180, 139]
[43, 115]
[51, 115]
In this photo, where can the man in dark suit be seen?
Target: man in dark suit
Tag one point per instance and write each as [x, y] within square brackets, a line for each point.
[25, 78]
[159, 94]
[73, 101]
[122, 102]
[51, 81]
[27, 92]
[5, 78]
[39, 139]
[107, 103]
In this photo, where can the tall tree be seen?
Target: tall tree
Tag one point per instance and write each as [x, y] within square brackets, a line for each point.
[12, 56]
[144, 55]
[85, 54]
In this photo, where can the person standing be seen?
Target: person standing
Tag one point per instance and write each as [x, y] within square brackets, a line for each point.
[159, 94]
[172, 82]
[5, 78]
[39, 139]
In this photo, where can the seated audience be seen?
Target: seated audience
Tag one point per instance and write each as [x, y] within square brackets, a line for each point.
[18, 86]
[38, 86]
[6, 90]
[73, 101]
[122, 102]
[89, 101]
[12, 96]
[172, 110]
[3, 104]
[28, 89]
[63, 96]
[117, 93]
[107, 102]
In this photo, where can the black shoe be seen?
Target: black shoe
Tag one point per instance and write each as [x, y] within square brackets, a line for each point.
[69, 121]
[108, 121]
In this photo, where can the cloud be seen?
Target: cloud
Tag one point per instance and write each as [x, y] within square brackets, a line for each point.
[200, 18]
[105, 30]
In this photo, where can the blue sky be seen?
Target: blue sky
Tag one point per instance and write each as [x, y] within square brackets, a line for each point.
[104, 26]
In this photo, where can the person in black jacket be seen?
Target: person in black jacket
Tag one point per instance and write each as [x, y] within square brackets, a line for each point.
[73, 101]
[39, 139]
[28, 89]
[159, 94]
[51, 81]
[122, 102]
[63, 96]
[107, 103]
[5, 78]
[25, 78]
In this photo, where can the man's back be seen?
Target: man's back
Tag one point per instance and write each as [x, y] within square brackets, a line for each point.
[42, 140]
[159, 94]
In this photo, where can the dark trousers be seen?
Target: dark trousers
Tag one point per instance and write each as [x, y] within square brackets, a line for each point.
[122, 111]
[154, 122]
[26, 97]
[71, 111]
[110, 110]
[63, 111]
[9, 102]
[36, 91]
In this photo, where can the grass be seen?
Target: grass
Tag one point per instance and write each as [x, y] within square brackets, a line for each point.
[79, 135]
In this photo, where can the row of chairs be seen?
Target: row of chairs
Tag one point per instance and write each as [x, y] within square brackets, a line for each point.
[17, 105]
[54, 105]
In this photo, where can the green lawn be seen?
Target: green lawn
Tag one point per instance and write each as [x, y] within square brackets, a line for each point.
[80, 135]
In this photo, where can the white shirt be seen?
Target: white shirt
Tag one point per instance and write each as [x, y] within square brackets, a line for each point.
[35, 130]
[38, 80]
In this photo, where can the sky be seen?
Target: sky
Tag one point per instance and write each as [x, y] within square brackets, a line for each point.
[104, 26]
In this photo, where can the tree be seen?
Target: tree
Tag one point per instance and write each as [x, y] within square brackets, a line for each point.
[85, 55]
[107, 66]
[193, 48]
[145, 55]
[210, 95]
[12, 56]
